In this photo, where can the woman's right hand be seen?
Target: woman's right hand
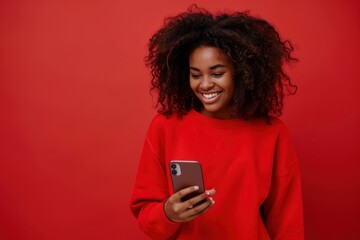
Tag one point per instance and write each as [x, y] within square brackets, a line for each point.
[178, 211]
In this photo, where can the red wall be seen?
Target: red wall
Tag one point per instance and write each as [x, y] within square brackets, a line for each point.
[75, 107]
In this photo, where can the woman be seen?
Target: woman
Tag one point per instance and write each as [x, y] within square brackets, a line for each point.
[220, 85]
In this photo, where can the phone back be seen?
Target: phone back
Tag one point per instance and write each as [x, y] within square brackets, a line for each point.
[185, 174]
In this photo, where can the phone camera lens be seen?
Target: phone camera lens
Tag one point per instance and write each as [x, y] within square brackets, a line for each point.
[173, 166]
[174, 172]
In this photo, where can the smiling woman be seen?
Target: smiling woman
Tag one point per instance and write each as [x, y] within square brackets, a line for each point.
[211, 79]
[252, 46]
[219, 81]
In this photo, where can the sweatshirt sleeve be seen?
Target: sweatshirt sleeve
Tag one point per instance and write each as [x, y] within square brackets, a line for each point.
[283, 210]
[151, 188]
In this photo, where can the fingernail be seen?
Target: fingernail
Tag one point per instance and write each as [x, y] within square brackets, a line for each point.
[208, 194]
[196, 187]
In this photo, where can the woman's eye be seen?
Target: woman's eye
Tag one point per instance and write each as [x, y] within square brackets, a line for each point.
[217, 75]
[195, 76]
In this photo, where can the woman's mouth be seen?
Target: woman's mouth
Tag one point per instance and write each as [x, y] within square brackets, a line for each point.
[210, 97]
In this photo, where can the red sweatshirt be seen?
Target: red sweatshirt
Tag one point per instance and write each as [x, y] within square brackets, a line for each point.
[251, 164]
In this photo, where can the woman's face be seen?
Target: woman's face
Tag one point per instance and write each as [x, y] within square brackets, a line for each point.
[212, 81]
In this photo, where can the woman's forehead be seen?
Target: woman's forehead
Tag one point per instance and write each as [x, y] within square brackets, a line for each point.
[208, 55]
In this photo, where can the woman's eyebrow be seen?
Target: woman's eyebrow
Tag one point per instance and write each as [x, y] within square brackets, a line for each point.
[211, 68]
[194, 68]
[217, 66]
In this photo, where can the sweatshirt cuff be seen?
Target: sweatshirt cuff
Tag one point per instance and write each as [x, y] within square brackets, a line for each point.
[161, 223]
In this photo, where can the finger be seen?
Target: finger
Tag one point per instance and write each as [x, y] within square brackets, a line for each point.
[210, 192]
[197, 199]
[198, 210]
[183, 192]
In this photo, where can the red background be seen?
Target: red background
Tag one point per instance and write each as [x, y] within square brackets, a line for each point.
[75, 107]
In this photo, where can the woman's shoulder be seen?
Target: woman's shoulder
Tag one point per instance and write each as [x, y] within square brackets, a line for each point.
[158, 118]
[279, 126]
[161, 126]
[277, 122]
[273, 126]
[160, 121]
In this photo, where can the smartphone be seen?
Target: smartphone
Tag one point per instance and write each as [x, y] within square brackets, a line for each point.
[186, 173]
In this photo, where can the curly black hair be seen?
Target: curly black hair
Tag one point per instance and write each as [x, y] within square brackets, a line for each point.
[254, 46]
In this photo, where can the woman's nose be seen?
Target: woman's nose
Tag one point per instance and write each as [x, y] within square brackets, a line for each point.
[206, 83]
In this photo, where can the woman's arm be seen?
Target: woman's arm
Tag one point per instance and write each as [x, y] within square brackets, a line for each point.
[149, 195]
[283, 210]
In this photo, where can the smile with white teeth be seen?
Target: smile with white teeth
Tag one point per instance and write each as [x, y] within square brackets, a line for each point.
[210, 95]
